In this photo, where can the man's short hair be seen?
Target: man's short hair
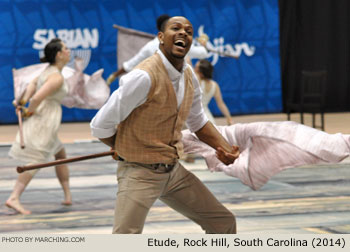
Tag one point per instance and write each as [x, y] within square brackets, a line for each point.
[161, 21]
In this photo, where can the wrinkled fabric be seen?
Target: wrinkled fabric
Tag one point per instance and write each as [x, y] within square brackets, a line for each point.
[268, 148]
[84, 91]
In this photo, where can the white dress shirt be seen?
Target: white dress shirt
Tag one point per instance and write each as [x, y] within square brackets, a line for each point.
[133, 91]
[196, 52]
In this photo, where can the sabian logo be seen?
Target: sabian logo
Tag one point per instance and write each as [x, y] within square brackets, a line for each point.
[219, 48]
[80, 41]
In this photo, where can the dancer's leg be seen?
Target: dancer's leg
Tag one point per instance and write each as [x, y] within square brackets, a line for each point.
[21, 183]
[62, 173]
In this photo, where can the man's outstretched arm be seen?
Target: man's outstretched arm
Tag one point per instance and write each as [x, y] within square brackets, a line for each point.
[224, 151]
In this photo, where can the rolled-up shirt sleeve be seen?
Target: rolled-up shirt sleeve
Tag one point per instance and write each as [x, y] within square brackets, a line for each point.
[197, 118]
[132, 92]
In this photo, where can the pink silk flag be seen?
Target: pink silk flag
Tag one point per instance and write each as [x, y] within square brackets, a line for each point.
[129, 42]
[84, 91]
[268, 148]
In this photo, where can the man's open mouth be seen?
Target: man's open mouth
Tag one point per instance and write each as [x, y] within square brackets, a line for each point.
[180, 43]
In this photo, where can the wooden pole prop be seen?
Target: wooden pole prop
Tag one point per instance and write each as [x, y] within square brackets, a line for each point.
[19, 115]
[21, 169]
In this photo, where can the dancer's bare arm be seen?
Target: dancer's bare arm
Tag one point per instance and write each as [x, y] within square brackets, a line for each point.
[53, 83]
[221, 104]
[29, 92]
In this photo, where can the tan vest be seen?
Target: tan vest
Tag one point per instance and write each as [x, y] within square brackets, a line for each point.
[152, 132]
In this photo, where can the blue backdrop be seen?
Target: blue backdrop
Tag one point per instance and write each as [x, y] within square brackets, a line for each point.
[247, 28]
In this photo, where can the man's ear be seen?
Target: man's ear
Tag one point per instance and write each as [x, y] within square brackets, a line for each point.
[161, 38]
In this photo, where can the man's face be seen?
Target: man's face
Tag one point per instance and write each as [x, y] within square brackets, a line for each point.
[177, 37]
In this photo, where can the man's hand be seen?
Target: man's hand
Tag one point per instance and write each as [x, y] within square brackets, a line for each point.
[115, 155]
[227, 157]
[225, 152]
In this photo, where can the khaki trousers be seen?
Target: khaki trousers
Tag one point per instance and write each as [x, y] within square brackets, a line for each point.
[139, 188]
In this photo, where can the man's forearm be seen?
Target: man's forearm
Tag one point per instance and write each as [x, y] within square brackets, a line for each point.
[109, 140]
[211, 136]
[224, 151]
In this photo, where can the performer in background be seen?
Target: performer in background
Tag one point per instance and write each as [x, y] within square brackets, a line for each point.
[210, 88]
[43, 120]
[196, 52]
[150, 108]
[50, 85]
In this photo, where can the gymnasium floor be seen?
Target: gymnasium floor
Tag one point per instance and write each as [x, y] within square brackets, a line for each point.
[304, 200]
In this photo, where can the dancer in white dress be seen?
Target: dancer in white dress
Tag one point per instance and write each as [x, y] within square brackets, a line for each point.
[210, 88]
[43, 118]
[40, 129]
[268, 148]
